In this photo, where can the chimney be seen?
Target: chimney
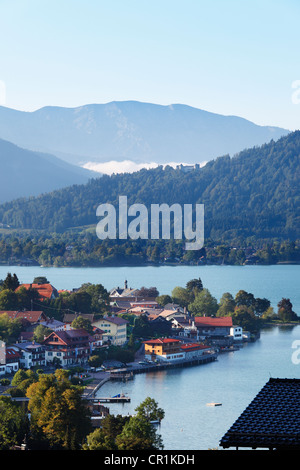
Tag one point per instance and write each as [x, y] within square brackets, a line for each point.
[125, 284]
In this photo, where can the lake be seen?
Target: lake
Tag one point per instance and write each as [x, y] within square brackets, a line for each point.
[234, 379]
[272, 282]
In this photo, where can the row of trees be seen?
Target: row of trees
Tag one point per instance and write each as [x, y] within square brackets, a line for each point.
[247, 310]
[60, 419]
[83, 248]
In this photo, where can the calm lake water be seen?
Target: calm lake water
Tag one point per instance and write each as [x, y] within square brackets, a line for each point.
[234, 379]
[271, 282]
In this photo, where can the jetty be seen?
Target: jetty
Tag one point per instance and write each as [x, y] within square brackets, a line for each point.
[164, 365]
[128, 373]
[91, 389]
[120, 398]
[121, 374]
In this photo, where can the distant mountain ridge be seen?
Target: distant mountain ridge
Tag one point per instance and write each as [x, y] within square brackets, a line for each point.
[132, 130]
[24, 173]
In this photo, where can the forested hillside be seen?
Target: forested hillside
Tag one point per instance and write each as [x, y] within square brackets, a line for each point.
[255, 193]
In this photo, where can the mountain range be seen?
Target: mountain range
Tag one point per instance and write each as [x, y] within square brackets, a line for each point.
[26, 173]
[132, 130]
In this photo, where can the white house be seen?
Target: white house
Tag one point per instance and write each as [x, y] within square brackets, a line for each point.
[32, 354]
[12, 360]
[9, 359]
[237, 333]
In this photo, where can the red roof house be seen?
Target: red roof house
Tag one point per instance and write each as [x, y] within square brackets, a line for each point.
[211, 326]
[35, 316]
[46, 291]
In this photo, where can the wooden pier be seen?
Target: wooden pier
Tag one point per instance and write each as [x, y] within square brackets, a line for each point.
[116, 399]
[121, 374]
[204, 359]
[128, 373]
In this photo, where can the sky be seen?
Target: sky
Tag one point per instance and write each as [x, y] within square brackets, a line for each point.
[229, 57]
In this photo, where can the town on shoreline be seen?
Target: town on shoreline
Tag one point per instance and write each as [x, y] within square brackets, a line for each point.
[87, 336]
[41, 326]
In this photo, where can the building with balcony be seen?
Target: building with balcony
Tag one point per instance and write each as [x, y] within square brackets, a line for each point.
[31, 354]
[163, 349]
[68, 347]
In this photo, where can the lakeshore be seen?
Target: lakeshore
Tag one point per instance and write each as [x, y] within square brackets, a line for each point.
[128, 372]
[272, 282]
[233, 379]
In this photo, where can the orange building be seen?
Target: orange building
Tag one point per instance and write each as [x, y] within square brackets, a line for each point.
[46, 291]
[164, 349]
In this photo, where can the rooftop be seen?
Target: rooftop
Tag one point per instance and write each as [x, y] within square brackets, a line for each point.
[162, 341]
[193, 346]
[31, 316]
[45, 290]
[213, 321]
[272, 420]
[115, 320]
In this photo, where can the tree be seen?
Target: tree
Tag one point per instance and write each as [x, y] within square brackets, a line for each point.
[40, 332]
[58, 412]
[82, 323]
[14, 424]
[141, 327]
[22, 381]
[269, 314]
[227, 305]
[285, 310]
[261, 306]
[19, 376]
[138, 434]
[149, 409]
[8, 300]
[11, 282]
[194, 286]
[148, 292]
[112, 425]
[244, 317]
[181, 296]
[98, 440]
[40, 280]
[244, 298]
[163, 300]
[128, 433]
[9, 329]
[99, 297]
[27, 297]
[204, 304]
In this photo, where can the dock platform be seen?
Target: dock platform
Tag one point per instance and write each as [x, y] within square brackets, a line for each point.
[116, 399]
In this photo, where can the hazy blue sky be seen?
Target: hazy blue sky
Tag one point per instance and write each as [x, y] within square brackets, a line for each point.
[236, 57]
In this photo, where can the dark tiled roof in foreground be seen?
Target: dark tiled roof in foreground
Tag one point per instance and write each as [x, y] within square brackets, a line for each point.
[272, 420]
